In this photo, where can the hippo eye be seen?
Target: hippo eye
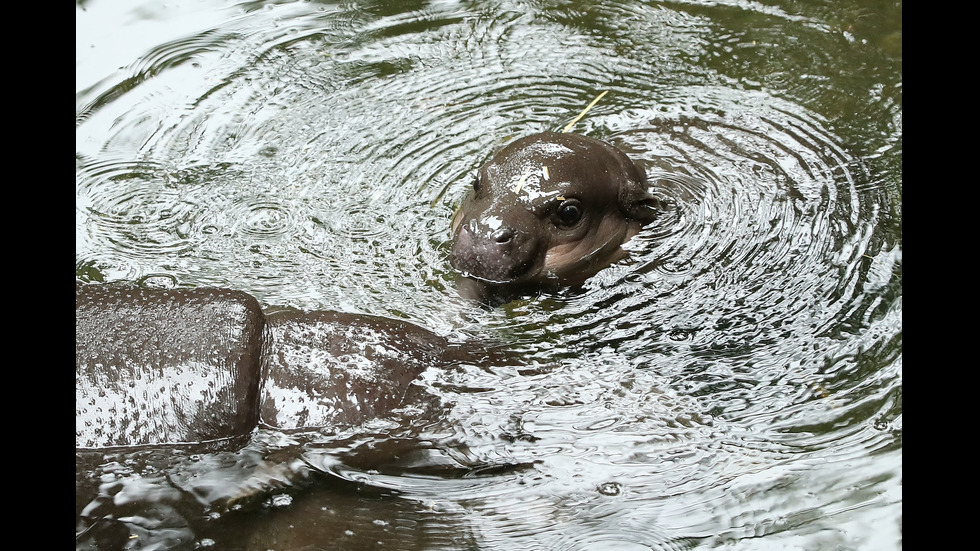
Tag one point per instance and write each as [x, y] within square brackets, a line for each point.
[569, 212]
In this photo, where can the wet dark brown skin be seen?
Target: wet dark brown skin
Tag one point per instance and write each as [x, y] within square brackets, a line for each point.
[549, 209]
[178, 366]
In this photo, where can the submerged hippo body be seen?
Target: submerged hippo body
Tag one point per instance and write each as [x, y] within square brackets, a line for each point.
[181, 366]
[329, 368]
[550, 209]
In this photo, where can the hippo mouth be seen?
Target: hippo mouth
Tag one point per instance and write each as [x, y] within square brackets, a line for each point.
[492, 273]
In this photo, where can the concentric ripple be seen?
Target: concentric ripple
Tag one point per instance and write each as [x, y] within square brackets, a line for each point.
[133, 211]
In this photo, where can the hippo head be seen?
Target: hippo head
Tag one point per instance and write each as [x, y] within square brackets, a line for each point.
[550, 209]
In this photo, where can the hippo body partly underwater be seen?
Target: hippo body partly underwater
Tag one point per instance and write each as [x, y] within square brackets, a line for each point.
[178, 366]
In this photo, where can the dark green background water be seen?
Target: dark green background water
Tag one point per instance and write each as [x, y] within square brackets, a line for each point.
[736, 383]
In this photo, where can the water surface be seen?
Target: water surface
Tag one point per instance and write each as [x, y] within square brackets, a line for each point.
[736, 383]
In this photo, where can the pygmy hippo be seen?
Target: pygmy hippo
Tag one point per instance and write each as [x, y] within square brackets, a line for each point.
[550, 209]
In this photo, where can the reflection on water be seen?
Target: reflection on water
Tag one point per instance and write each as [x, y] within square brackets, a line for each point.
[737, 382]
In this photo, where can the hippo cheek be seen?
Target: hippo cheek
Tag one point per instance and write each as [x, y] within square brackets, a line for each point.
[497, 255]
[575, 259]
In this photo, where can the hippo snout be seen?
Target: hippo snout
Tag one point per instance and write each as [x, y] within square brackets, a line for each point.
[497, 254]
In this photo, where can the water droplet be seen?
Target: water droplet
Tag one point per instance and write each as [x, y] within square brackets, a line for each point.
[610, 488]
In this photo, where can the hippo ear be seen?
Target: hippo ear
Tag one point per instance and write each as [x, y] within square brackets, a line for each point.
[635, 198]
[640, 204]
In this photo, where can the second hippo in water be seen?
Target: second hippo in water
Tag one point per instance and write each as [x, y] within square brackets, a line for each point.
[193, 366]
[549, 209]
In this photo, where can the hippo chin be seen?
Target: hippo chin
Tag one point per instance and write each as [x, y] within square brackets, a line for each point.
[550, 209]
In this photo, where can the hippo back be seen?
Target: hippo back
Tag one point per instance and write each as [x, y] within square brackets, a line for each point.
[324, 368]
[156, 366]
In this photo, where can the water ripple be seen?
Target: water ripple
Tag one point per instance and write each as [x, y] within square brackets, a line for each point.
[132, 208]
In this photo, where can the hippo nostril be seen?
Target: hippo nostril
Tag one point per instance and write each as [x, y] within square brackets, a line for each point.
[503, 235]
